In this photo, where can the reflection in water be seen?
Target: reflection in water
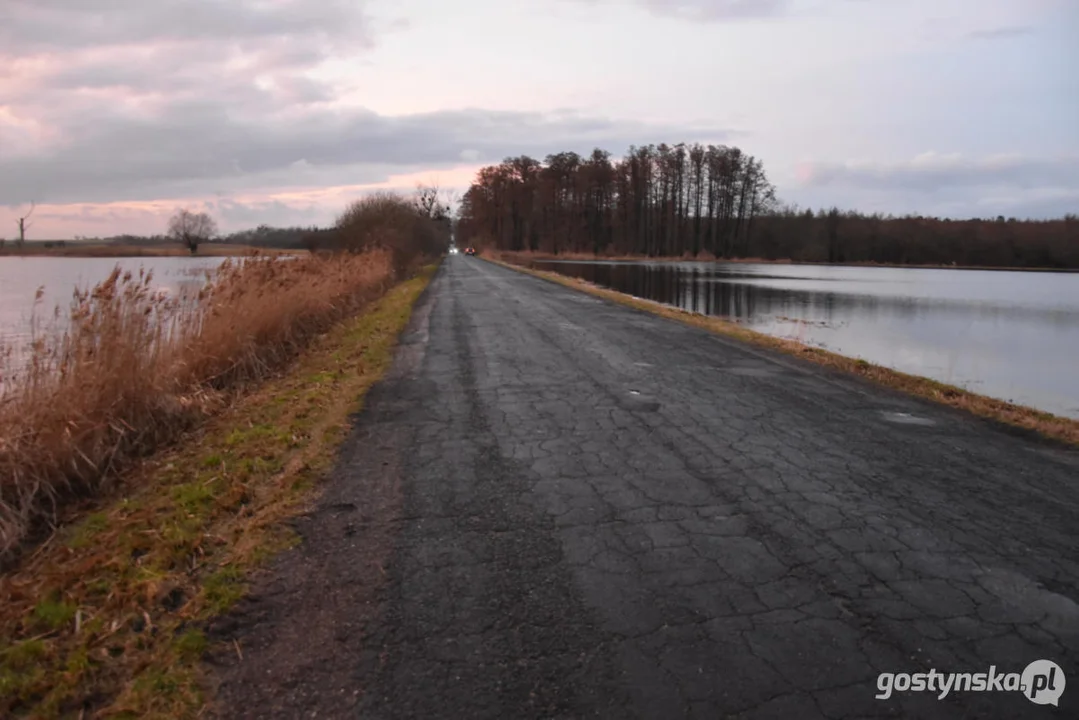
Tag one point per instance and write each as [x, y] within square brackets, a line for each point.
[1012, 335]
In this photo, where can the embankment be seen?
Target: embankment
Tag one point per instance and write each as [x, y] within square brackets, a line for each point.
[106, 616]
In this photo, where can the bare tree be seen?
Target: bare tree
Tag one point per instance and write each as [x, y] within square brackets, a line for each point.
[22, 225]
[435, 205]
[428, 201]
[191, 228]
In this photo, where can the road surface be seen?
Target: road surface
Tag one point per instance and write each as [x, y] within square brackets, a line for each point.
[561, 507]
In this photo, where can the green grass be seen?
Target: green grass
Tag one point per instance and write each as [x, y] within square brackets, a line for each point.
[52, 614]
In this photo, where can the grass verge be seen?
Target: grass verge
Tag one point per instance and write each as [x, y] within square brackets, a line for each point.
[106, 618]
[1026, 418]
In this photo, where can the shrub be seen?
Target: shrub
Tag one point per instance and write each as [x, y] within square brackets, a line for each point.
[390, 221]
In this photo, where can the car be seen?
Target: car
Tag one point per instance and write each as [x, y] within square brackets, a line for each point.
[453, 251]
[470, 251]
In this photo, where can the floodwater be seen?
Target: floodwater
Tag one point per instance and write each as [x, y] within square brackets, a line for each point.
[58, 277]
[1008, 335]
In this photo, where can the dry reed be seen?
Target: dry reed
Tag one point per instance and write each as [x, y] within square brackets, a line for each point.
[133, 369]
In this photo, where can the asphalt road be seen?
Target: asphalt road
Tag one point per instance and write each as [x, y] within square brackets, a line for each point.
[560, 507]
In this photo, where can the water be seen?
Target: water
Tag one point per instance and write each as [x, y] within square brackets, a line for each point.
[20, 278]
[1008, 335]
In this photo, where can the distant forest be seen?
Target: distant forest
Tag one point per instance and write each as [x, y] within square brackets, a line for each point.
[716, 201]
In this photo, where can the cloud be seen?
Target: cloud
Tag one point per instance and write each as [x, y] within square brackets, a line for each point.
[706, 10]
[318, 205]
[34, 26]
[716, 10]
[190, 147]
[122, 100]
[257, 102]
[933, 172]
[1002, 33]
[944, 185]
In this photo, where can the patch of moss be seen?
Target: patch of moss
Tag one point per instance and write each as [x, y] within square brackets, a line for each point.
[223, 588]
[52, 614]
[191, 645]
[84, 532]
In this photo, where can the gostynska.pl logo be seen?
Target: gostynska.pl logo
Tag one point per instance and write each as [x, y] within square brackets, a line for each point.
[1041, 682]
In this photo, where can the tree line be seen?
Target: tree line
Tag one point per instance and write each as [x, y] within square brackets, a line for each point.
[263, 236]
[692, 200]
[658, 201]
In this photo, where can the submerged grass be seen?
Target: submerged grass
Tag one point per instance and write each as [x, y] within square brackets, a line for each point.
[132, 370]
[1030, 419]
[107, 618]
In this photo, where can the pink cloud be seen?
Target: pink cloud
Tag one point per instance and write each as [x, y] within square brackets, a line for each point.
[298, 205]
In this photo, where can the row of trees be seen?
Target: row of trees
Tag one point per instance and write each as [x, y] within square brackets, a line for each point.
[851, 237]
[263, 236]
[284, 238]
[693, 200]
[658, 201]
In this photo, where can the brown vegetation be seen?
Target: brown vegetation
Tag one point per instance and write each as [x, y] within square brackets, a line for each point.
[112, 616]
[1042, 423]
[132, 369]
[716, 201]
[152, 448]
[407, 229]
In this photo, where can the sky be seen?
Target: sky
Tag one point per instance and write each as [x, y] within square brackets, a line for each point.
[114, 113]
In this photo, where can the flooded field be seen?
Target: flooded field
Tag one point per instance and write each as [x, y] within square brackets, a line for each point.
[1010, 335]
[57, 277]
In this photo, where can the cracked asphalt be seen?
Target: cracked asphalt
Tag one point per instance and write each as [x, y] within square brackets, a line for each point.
[560, 507]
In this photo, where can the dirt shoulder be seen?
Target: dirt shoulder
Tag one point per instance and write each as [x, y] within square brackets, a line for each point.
[110, 617]
[292, 645]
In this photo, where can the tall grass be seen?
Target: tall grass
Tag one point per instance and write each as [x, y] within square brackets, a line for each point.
[133, 369]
